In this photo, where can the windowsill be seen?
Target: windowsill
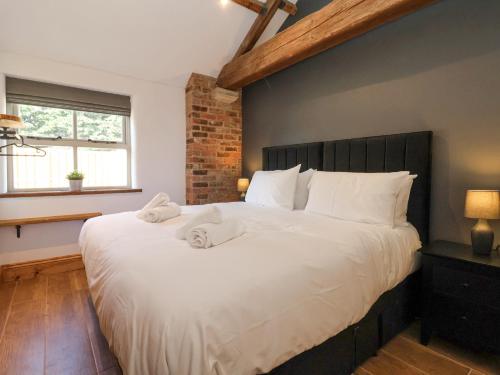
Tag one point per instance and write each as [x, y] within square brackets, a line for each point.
[66, 192]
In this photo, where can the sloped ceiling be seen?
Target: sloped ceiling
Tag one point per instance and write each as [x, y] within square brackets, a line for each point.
[155, 40]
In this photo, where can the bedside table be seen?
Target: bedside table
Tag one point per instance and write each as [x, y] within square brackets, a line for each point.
[461, 295]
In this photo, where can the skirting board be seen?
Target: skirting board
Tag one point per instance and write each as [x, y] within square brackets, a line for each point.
[28, 270]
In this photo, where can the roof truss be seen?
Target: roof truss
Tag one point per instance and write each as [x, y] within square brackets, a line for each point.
[259, 7]
[336, 23]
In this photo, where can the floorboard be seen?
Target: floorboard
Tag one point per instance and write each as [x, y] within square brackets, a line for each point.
[48, 325]
[6, 293]
[31, 290]
[69, 349]
[384, 363]
[362, 371]
[482, 362]
[424, 359]
[104, 359]
[22, 345]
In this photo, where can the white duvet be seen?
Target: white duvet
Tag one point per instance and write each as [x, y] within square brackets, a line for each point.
[244, 307]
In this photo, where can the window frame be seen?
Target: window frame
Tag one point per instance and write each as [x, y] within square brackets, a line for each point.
[75, 143]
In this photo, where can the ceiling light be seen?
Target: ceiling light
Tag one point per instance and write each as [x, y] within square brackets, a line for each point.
[9, 124]
[224, 2]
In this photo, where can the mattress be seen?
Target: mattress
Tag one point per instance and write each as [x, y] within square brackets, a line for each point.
[292, 281]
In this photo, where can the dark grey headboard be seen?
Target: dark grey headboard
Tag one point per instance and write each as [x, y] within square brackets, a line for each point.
[387, 153]
[309, 155]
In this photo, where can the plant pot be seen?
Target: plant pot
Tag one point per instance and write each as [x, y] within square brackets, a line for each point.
[75, 185]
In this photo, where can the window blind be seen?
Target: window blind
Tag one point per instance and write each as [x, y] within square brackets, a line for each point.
[22, 91]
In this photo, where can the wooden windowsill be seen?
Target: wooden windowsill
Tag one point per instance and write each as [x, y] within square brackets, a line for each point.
[66, 192]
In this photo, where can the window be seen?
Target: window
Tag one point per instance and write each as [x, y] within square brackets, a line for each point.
[97, 144]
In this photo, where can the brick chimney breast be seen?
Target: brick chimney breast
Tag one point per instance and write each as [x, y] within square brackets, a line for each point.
[213, 143]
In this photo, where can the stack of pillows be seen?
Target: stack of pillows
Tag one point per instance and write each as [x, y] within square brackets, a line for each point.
[375, 198]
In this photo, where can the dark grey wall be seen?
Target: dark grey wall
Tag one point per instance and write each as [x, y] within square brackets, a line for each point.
[438, 69]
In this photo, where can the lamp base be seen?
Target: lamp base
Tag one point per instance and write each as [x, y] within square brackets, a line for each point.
[242, 196]
[482, 237]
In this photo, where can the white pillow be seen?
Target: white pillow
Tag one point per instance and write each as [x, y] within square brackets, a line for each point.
[302, 189]
[402, 201]
[360, 197]
[273, 188]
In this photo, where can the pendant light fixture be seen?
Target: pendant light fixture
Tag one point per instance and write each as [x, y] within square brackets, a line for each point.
[9, 126]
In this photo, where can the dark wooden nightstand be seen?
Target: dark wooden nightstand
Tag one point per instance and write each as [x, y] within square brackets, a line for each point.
[461, 296]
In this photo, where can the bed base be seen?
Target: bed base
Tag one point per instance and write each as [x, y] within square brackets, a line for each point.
[395, 309]
[343, 353]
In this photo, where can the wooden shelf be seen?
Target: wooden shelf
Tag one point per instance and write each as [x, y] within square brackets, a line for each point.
[28, 194]
[45, 219]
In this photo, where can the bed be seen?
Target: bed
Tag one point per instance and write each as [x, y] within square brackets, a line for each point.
[298, 293]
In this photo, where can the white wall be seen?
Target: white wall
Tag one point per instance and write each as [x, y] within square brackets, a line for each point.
[158, 157]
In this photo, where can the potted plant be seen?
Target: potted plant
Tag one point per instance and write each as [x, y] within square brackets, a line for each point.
[75, 179]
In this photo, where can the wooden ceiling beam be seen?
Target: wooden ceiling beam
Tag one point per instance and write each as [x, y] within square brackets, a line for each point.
[288, 7]
[253, 5]
[259, 7]
[258, 27]
[336, 23]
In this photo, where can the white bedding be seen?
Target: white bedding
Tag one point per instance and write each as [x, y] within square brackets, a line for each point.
[244, 307]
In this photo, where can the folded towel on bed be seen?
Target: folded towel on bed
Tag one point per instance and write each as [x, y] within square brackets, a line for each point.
[160, 199]
[160, 214]
[210, 214]
[207, 235]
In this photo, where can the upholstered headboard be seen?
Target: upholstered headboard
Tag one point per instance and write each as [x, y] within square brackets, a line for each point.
[309, 155]
[387, 153]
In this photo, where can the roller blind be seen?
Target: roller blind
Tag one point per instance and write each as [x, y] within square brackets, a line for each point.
[22, 91]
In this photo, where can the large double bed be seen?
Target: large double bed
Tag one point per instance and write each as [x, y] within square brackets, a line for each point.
[298, 293]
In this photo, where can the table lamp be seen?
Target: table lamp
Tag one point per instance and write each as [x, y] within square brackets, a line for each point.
[483, 205]
[243, 184]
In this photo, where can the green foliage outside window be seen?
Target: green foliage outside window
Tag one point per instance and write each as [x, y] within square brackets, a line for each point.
[46, 122]
[55, 122]
[99, 126]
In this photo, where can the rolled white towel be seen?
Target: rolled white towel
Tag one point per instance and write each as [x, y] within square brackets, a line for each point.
[160, 199]
[210, 214]
[160, 214]
[207, 235]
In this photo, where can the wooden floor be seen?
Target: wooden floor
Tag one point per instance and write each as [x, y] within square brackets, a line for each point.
[48, 326]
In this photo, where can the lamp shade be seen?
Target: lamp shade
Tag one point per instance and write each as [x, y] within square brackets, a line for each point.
[482, 204]
[243, 184]
[11, 121]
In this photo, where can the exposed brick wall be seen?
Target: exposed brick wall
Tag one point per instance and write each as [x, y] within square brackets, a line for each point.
[213, 144]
